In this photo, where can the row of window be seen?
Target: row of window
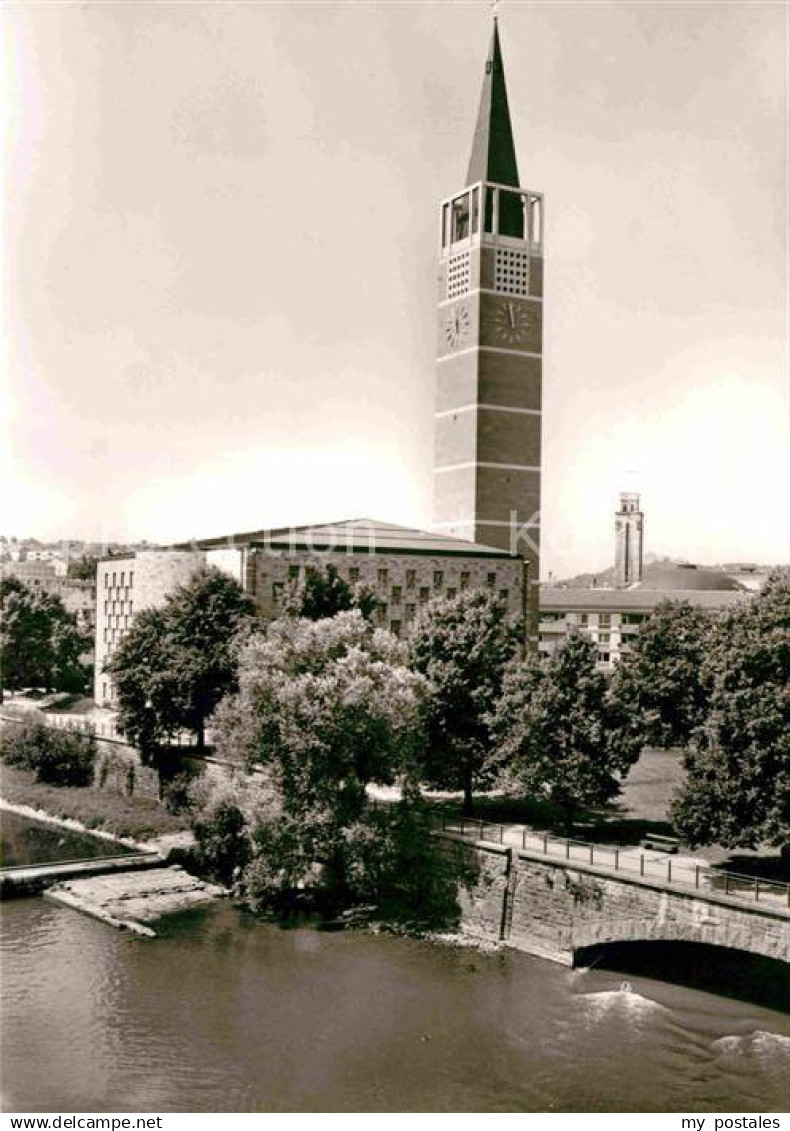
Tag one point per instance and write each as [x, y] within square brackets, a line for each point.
[396, 591]
[589, 618]
[118, 606]
[115, 582]
[396, 594]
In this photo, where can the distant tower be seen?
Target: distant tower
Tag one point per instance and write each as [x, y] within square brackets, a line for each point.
[489, 358]
[628, 530]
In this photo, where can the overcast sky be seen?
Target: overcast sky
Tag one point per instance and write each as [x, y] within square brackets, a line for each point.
[219, 240]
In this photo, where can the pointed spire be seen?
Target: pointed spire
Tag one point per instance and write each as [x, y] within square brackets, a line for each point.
[493, 152]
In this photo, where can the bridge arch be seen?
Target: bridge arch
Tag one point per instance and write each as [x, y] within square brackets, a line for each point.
[722, 933]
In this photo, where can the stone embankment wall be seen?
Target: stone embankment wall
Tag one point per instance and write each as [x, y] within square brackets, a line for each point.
[554, 910]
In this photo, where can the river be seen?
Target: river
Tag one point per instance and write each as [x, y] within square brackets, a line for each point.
[224, 1013]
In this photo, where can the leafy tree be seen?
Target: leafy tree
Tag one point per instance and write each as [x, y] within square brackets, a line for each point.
[661, 680]
[40, 641]
[223, 846]
[324, 708]
[58, 757]
[177, 661]
[559, 732]
[324, 593]
[462, 646]
[83, 568]
[737, 791]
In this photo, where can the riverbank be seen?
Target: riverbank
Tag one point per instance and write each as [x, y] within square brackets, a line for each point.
[122, 817]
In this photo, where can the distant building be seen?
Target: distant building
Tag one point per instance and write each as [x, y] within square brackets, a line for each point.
[405, 568]
[79, 597]
[612, 618]
[628, 543]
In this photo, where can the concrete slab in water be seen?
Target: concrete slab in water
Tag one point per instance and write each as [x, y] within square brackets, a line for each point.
[131, 900]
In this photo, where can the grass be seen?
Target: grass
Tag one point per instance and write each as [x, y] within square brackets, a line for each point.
[140, 818]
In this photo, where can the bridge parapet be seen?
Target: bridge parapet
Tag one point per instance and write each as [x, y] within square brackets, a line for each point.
[554, 908]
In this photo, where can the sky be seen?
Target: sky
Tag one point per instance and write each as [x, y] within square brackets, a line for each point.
[219, 243]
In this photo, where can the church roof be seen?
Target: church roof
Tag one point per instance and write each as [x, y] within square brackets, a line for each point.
[556, 599]
[363, 534]
[493, 152]
[670, 577]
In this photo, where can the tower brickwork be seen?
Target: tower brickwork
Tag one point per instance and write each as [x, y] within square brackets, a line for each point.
[628, 535]
[490, 343]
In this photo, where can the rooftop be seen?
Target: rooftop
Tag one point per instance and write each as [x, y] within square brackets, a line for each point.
[685, 576]
[555, 599]
[364, 534]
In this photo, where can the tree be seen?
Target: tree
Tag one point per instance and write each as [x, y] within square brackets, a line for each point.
[324, 708]
[661, 680]
[83, 568]
[324, 593]
[40, 641]
[462, 646]
[177, 661]
[737, 790]
[560, 734]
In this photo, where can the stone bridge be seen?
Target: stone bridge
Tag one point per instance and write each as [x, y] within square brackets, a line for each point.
[555, 908]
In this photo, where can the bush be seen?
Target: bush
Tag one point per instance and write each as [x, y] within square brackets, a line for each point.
[56, 757]
[222, 841]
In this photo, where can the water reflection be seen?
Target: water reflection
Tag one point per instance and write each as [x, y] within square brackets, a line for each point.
[223, 1013]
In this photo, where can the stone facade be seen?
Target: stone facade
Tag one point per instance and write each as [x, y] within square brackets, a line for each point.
[404, 568]
[403, 582]
[554, 910]
[125, 586]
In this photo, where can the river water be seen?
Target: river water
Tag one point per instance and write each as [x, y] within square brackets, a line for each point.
[223, 1013]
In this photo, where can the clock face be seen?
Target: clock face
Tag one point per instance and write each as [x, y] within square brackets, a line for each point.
[511, 323]
[458, 326]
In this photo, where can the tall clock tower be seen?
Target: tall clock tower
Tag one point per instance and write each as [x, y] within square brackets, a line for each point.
[490, 343]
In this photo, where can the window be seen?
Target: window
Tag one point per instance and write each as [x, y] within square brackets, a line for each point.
[490, 580]
[424, 593]
[604, 638]
[293, 571]
[277, 590]
[438, 579]
[383, 576]
[464, 580]
[460, 218]
[583, 618]
[452, 593]
[131, 607]
[604, 618]
[411, 578]
[106, 581]
[395, 627]
[113, 579]
[397, 593]
[603, 657]
[411, 610]
[123, 578]
[353, 573]
[131, 577]
[504, 594]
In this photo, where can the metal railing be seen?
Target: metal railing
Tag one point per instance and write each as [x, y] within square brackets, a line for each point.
[669, 872]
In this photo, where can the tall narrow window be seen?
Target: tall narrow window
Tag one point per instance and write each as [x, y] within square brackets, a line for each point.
[461, 217]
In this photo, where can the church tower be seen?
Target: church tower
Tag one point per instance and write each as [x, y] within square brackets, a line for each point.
[489, 356]
[628, 530]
